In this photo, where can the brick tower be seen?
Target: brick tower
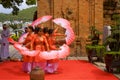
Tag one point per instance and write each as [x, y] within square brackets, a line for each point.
[81, 13]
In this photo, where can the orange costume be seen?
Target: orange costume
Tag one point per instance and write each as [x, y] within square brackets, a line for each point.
[52, 46]
[28, 44]
[40, 43]
[27, 60]
[52, 64]
[52, 42]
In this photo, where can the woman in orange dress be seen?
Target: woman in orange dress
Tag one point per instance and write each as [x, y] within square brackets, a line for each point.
[27, 60]
[52, 64]
[40, 43]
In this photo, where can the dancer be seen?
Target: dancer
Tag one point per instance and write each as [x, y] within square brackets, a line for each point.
[52, 64]
[45, 31]
[40, 43]
[27, 60]
[4, 54]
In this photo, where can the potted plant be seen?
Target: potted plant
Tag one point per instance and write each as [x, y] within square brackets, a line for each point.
[17, 31]
[112, 57]
[94, 49]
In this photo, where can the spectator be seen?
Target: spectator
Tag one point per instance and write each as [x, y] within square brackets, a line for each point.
[4, 52]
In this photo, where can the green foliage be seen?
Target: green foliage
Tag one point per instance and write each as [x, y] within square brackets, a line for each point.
[99, 49]
[15, 27]
[112, 52]
[17, 31]
[17, 34]
[94, 35]
[25, 15]
[116, 19]
[94, 47]
[30, 2]
[14, 4]
[15, 37]
[11, 4]
[15, 10]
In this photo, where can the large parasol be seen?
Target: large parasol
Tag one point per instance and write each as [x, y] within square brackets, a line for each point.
[69, 32]
[41, 20]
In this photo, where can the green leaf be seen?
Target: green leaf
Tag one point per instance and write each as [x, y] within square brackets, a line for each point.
[30, 2]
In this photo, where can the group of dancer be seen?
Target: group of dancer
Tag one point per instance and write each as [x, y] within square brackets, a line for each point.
[39, 48]
[41, 39]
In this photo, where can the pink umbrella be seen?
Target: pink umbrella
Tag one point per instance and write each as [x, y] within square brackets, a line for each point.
[69, 32]
[41, 20]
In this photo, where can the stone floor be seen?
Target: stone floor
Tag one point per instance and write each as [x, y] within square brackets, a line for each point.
[14, 54]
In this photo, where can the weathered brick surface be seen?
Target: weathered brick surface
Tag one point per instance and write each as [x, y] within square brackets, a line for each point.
[81, 13]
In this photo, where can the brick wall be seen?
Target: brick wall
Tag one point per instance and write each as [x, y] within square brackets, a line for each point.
[81, 13]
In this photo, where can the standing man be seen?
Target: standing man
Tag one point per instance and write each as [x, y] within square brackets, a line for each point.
[4, 50]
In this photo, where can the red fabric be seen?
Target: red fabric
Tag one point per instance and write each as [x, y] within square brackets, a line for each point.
[67, 70]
